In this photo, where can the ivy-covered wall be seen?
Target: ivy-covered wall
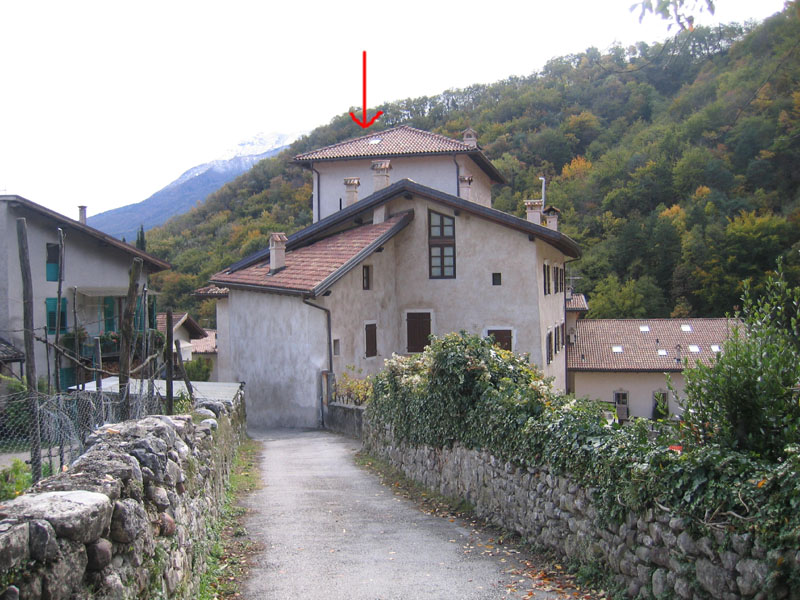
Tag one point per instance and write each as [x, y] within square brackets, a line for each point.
[663, 517]
[131, 516]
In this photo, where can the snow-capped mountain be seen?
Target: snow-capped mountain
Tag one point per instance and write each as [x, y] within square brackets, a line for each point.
[192, 187]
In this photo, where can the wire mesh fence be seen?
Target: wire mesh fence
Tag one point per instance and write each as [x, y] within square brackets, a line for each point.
[64, 421]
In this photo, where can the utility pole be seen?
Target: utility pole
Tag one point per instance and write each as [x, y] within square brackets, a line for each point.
[30, 363]
[126, 338]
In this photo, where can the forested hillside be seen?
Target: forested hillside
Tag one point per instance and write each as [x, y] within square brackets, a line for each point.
[676, 167]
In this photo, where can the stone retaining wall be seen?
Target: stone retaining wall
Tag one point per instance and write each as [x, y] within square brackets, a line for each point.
[130, 518]
[344, 418]
[650, 555]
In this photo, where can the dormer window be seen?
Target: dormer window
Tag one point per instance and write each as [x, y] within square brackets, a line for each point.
[441, 246]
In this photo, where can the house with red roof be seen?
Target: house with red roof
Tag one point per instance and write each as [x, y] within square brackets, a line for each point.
[627, 362]
[404, 244]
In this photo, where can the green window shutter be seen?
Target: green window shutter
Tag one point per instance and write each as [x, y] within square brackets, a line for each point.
[51, 265]
[108, 313]
[51, 304]
[52, 271]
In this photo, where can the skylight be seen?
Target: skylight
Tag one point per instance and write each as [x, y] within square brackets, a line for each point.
[693, 348]
[662, 352]
[374, 141]
[715, 348]
[644, 328]
[686, 327]
[617, 349]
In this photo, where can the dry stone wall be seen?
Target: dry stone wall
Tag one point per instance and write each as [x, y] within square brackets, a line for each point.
[130, 518]
[653, 555]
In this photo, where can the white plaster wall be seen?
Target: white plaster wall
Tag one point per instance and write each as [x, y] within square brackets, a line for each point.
[278, 348]
[552, 313]
[437, 172]
[223, 367]
[640, 387]
[87, 263]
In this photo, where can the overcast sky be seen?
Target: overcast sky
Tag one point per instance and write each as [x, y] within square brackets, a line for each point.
[103, 103]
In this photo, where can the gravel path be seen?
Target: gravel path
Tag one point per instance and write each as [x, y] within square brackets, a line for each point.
[332, 531]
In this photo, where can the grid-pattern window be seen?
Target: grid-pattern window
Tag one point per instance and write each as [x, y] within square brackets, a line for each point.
[546, 281]
[441, 246]
[502, 338]
[371, 339]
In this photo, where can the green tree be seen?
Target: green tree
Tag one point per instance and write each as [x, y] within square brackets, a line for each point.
[635, 299]
[141, 243]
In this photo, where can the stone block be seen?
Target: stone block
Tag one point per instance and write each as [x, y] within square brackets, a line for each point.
[752, 575]
[62, 577]
[98, 554]
[659, 583]
[76, 515]
[129, 521]
[13, 545]
[43, 540]
[687, 544]
[711, 577]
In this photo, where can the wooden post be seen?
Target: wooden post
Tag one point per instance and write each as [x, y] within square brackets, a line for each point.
[57, 357]
[76, 347]
[98, 381]
[183, 371]
[168, 359]
[126, 338]
[30, 362]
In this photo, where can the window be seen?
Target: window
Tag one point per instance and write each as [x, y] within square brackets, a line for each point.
[51, 304]
[563, 334]
[686, 327]
[502, 337]
[549, 348]
[546, 278]
[51, 267]
[371, 339]
[662, 352]
[557, 277]
[715, 348]
[660, 405]
[644, 328]
[337, 347]
[620, 397]
[366, 277]
[441, 246]
[497, 279]
[563, 278]
[621, 403]
[558, 339]
[418, 329]
[693, 348]
[616, 349]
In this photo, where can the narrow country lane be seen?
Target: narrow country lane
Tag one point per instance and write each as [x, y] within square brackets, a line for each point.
[332, 531]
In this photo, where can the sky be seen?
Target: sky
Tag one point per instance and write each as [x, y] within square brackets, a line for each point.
[103, 103]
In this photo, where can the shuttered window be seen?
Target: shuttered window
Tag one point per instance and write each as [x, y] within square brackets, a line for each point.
[549, 348]
[502, 338]
[371, 339]
[418, 327]
[51, 304]
[109, 310]
[51, 265]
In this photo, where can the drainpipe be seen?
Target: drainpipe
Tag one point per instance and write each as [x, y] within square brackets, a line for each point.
[319, 193]
[327, 312]
[458, 177]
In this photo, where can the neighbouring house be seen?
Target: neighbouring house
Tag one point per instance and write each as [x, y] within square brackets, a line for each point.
[94, 282]
[185, 330]
[576, 308]
[223, 370]
[206, 349]
[627, 362]
[376, 275]
[9, 356]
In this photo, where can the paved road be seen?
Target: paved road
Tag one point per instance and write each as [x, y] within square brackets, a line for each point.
[332, 531]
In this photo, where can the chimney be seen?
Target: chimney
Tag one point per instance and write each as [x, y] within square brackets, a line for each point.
[470, 137]
[465, 186]
[351, 190]
[380, 174]
[551, 214]
[379, 214]
[277, 252]
[533, 210]
[82, 215]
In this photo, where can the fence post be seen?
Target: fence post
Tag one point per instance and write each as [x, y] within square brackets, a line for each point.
[126, 338]
[59, 324]
[168, 359]
[30, 363]
[183, 371]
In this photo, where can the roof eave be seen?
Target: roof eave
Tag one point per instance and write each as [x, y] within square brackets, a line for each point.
[252, 287]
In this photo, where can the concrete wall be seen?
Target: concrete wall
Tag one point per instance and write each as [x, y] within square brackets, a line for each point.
[88, 264]
[345, 418]
[224, 367]
[640, 387]
[437, 172]
[279, 348]
[131, 517]
[656, 554]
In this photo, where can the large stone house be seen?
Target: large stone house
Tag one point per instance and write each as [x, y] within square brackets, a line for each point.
[419, 254]
[94, 282]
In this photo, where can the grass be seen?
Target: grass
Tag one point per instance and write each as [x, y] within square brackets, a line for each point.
[230, 554]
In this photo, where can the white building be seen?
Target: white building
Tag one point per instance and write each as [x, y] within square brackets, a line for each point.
[95, 278]
[419, 255]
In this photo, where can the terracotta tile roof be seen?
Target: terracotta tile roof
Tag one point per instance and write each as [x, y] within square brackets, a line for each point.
[211, 291]
[390, 142]
[8, 353]
[180, 319]
[577, 303]
[206, 345]
[310, 266]
[634, 344]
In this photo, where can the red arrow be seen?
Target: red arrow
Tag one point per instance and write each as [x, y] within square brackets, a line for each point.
[363, 122]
